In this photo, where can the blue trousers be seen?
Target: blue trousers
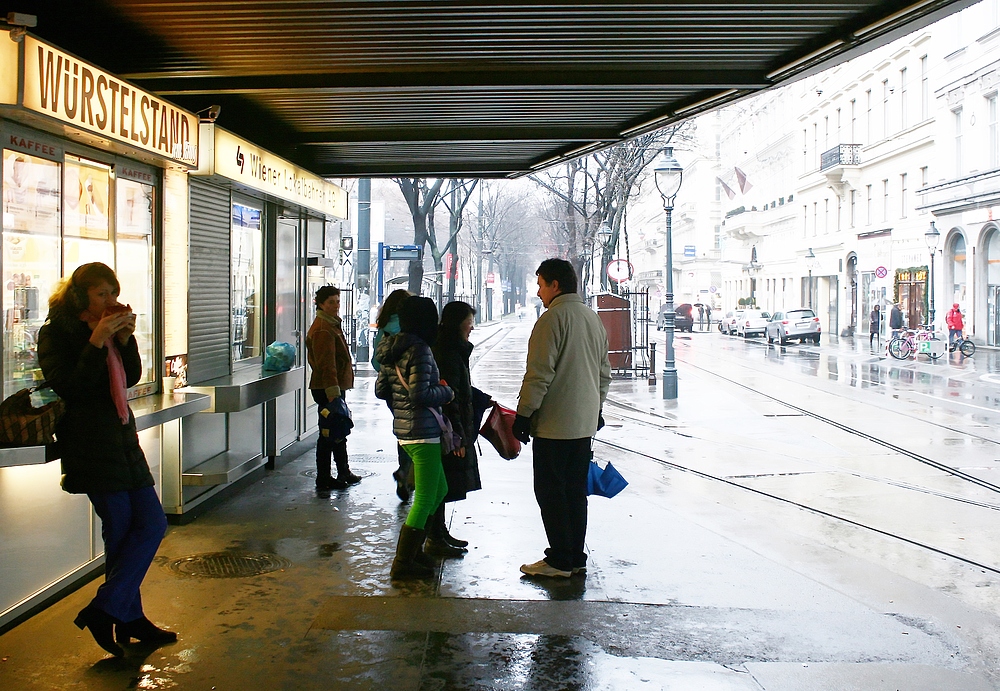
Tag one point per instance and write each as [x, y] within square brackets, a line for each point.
[132, 525]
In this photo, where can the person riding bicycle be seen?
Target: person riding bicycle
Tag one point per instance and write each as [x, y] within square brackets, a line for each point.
[955, 324]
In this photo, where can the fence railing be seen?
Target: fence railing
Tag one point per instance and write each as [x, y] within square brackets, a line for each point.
[841, 155]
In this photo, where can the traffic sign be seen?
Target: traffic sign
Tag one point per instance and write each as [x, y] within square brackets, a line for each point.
[619, 270]
[881, 272]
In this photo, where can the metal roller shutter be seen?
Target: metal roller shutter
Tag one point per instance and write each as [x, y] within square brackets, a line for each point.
[208, 298]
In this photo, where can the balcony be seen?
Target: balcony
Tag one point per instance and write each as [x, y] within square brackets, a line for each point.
[842, 167]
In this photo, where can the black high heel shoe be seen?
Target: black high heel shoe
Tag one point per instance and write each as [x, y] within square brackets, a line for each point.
[101, 625]
[145, 631]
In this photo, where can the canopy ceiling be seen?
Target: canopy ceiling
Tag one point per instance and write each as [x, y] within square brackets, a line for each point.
[461, 88]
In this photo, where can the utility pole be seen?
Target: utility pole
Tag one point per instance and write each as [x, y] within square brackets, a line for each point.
[363, 269]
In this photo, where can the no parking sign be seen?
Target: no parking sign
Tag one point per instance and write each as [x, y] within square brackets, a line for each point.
[881, 272]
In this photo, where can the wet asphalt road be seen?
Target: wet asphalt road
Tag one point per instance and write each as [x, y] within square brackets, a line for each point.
[801, 518]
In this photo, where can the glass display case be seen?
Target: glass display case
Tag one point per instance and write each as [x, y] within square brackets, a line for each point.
[135, 202]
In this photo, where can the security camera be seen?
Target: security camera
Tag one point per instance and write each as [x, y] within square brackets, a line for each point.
[210, 114]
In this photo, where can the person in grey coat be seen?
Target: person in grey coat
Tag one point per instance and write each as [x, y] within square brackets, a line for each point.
[565, 383]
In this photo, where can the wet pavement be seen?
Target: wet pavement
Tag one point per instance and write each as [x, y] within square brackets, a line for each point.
[800, 518]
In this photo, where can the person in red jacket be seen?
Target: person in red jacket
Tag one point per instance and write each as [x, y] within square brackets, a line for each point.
[955, 324]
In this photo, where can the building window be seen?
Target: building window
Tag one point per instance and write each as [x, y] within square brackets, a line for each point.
[839, 139]
[868, 116]
[816, 151]
[902, 195]
[885, 108]
[854, 208]
[957, 117]
[805, 220]
[815, 218]
[805, 151]
[902, 99]
[718, 237]
[854, 121]
[826, 215]
[826, 133]
[868, 203]
[925, 91]
[991, 115]
[924, 176]
[885, 200]
[839, 209]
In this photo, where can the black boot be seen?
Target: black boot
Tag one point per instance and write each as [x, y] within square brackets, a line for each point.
[143, 630]
[344, 473]
[436, 545]
[101, 625]
[324, 480]
[451, 539]
[404, 566]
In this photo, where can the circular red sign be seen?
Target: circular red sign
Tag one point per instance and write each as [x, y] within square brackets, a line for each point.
[619, 270]
[881, 272]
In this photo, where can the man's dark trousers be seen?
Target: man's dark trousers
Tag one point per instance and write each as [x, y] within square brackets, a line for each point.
[560, 468]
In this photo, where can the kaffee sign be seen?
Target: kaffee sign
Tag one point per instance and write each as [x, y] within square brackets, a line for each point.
[77, 93]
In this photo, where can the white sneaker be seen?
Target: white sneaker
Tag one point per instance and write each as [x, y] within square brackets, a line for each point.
[540, 568]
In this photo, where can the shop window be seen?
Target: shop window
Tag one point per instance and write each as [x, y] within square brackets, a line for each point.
[247, 282]
[134, 249]
[86, 222]
[31, 250]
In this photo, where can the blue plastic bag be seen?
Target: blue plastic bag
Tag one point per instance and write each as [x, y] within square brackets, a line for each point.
[279, 356]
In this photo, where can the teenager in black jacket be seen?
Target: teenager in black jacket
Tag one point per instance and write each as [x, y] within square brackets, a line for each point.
[89, 355]
[409, 382]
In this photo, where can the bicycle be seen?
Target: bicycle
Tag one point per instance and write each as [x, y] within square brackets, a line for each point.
[902, 347]
[963, 345]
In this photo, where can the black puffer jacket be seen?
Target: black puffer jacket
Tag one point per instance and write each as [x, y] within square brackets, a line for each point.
[99, 453]
[410, 417]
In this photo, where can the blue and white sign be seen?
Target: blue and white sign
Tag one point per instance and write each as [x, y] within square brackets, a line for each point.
[689, 250]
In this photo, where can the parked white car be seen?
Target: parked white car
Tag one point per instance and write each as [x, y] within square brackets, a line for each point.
[752, 322]
[727, 324]
[801, 324]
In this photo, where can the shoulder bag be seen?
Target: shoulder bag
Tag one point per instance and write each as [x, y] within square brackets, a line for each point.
[22, 424]
[450, 440]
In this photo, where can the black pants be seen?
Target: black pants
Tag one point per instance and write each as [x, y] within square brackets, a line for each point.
[560, 468]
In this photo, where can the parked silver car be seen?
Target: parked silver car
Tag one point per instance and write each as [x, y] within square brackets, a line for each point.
[752, 322]
[727, 324]
[801, 324]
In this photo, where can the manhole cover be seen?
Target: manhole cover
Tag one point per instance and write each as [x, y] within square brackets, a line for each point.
[228, 564]
[354, 469]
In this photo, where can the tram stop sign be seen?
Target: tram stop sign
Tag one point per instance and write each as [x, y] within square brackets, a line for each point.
[619, 270]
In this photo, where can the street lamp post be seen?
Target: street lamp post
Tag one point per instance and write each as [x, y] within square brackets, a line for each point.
[752, 269]
[603, 239]
[810, 263]
[932, 236]
[669, 175]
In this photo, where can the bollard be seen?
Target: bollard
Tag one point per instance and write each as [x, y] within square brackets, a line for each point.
[652, 365]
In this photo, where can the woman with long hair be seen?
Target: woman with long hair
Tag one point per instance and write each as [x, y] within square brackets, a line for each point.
[388, 325]
[461, 468]
[88, 354]
[409, 382]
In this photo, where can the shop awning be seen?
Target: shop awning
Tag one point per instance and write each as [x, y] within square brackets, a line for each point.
[464, 87]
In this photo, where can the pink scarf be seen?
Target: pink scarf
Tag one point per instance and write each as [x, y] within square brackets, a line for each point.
[116, 372]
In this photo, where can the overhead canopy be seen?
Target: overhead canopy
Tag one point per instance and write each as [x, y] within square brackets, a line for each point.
[463, 88]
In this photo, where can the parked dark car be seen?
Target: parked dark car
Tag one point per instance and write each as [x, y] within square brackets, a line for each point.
[683, 321]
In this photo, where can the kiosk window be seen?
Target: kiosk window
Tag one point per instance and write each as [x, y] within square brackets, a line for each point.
[31, 251]
[86, 209]
[134, 249]
[247, 282]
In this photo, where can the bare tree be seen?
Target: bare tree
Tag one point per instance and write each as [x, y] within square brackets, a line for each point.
[421, 198]
[458, 195]
[587, 192]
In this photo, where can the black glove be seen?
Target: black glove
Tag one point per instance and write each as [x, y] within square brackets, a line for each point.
[521, 428]
[600, 420]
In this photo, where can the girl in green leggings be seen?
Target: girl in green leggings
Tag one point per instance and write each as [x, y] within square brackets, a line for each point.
[408, 381]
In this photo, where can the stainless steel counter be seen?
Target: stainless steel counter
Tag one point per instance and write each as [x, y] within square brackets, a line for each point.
[247, 388]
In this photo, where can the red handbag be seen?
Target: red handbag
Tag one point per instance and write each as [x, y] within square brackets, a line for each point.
[498, 430]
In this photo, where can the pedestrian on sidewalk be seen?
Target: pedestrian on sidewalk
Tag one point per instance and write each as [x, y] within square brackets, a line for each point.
[409, 382]
[388, 325]
[452, 350]
[332, 375]
[875, 327]
[956, 325]
[701, 317]
[896, 319]
[560, 402]
[89, 356]
[708, 316]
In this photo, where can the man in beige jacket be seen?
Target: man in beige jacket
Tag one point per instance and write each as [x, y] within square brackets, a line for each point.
[562, 393]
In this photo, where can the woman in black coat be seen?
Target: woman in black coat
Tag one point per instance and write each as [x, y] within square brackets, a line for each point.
[88, 354]
[452, 351]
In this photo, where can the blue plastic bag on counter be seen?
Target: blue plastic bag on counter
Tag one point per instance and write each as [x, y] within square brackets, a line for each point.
[279, 356]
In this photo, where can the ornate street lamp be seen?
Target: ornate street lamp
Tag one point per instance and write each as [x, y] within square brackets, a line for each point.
[669, 175]
[810, 265]
[932, 237]
[604, 239]
[752, 269]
